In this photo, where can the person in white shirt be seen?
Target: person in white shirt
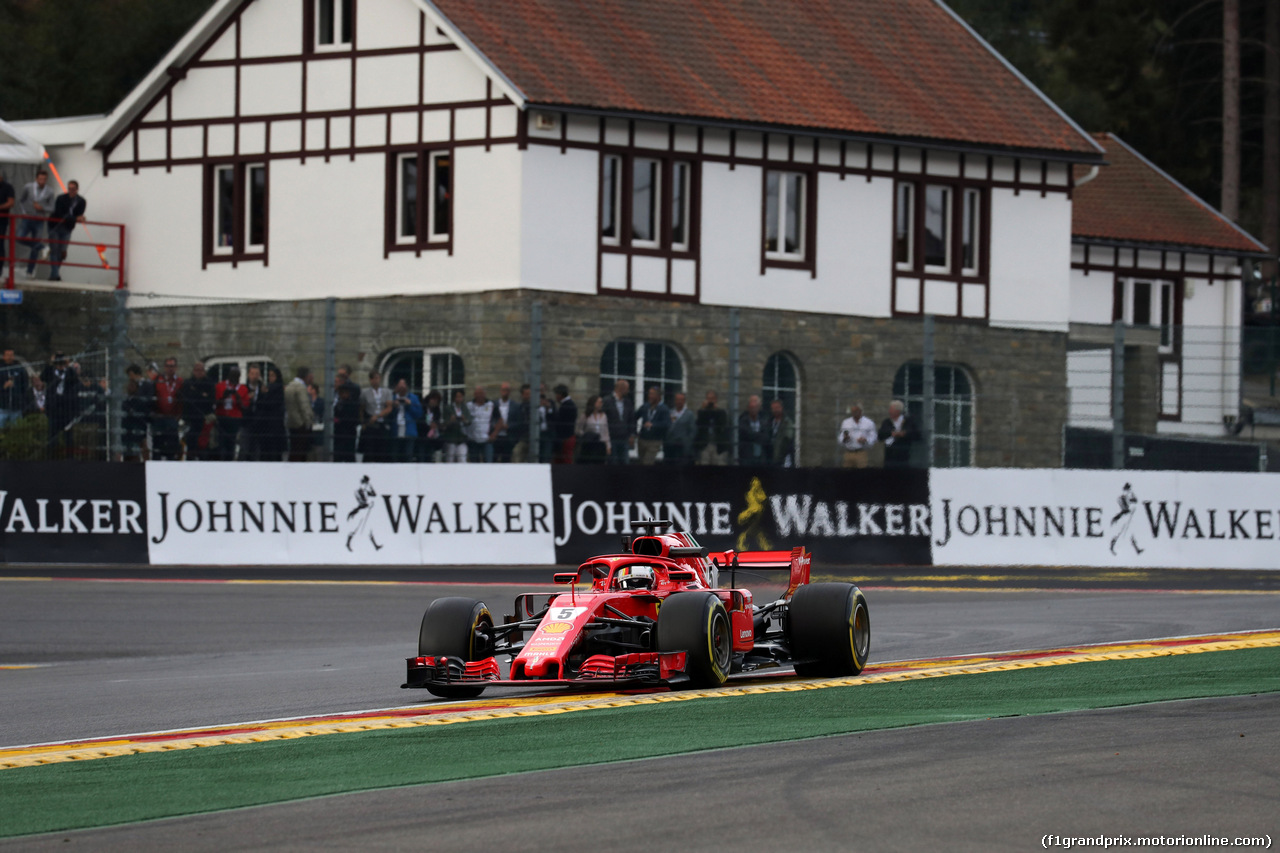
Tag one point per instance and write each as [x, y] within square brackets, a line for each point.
[857, 435]
[481, 409]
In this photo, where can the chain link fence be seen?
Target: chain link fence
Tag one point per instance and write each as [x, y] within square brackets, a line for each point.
[90, 375]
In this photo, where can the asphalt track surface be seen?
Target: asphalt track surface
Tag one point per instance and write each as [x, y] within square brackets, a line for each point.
[110, 658]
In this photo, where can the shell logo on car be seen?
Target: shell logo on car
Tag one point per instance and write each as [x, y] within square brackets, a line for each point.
[556, 627]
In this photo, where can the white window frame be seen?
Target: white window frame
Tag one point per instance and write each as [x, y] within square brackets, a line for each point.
[426, 354]
[947, 213]
[249, 168]
[971, 228]
[681, 204]
[432, 188]
[769, 392]
[946, 429]
[1162, 296]
[214, 364]
[906, 196]
[337, 43]
[218, 171]
[639, 390]
[655, 207]
[780, 253]
[402, 238]
[611, 196]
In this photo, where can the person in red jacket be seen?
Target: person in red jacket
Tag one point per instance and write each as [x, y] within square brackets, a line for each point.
[231, 401]
[164, 420]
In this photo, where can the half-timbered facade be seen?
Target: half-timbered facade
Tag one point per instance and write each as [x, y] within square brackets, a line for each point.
[306, 148]
[857, 163]
[1149, 253]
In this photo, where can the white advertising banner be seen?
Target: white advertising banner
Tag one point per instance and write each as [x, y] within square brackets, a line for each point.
[249, 513]
[1134, 519]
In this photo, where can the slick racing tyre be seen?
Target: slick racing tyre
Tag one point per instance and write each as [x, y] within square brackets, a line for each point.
[449, 627]
[696, 623]
[830, 629]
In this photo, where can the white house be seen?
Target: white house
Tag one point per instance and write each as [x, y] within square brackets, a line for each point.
[848, 162]
[1148, 252]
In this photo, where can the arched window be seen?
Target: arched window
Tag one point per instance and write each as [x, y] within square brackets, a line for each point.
[425, 370]
[643, 364]
[952, 410]
[781, 381]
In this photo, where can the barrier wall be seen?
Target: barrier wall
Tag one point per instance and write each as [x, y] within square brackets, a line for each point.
[68, 512]
[169, 513]
[1129, 519]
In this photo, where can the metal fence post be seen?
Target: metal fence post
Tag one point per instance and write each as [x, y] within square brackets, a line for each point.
[735, 368]
[929, 389]
[330, 371]
[117, 378]
[535, 381]
[1117, 397]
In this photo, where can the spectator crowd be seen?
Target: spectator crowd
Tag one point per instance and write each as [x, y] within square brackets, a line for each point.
[261, 417]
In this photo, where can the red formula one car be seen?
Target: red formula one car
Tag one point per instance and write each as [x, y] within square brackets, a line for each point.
[653, 615]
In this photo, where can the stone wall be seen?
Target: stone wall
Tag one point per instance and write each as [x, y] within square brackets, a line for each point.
[1019, 376]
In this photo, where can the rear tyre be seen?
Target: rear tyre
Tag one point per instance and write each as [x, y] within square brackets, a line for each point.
[697, 623]
[830, 629]
[450, 627]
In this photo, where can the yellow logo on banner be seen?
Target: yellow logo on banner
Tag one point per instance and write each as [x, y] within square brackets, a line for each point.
[752, 517]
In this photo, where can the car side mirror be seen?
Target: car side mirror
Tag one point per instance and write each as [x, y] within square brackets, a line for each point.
[569, 578]
[679, 577]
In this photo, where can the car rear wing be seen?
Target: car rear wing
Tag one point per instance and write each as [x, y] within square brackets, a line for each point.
[797, 560]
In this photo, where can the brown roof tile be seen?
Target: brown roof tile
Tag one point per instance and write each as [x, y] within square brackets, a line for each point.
[1132, 200]
[892, 68]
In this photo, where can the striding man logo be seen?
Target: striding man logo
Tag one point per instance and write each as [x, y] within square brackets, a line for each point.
[1121, 521]
[751, 519]
[358, 518]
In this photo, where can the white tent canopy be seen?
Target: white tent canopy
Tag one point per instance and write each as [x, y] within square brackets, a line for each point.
[17, 147]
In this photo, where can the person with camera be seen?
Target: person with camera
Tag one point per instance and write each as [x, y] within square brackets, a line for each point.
[231, 403]
[406, 411]
[62, 402]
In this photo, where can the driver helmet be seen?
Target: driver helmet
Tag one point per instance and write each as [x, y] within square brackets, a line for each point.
[637, 577]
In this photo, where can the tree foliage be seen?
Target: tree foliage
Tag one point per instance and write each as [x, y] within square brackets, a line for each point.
[1148, 70]
[80, 57]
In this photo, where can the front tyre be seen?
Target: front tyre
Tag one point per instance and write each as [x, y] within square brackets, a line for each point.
[696, 623]
[830, 629]
[451, 627]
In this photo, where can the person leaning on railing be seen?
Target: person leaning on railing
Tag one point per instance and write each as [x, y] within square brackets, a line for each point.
[68, 209]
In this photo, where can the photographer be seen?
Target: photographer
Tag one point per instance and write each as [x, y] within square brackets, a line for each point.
[62, 402]
[406, 411]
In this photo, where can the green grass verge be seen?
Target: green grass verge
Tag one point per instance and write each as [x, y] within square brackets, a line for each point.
[154, 785]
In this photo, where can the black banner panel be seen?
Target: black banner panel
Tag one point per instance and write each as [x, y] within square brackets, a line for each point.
[870, 516]
[72, 512]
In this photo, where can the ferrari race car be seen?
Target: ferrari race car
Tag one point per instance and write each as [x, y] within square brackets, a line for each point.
[654, 614]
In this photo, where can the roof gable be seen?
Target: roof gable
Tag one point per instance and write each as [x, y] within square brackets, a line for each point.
[907, 69]
[1133, 200]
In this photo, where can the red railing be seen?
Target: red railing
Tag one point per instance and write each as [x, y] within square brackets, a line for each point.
[94, 234]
